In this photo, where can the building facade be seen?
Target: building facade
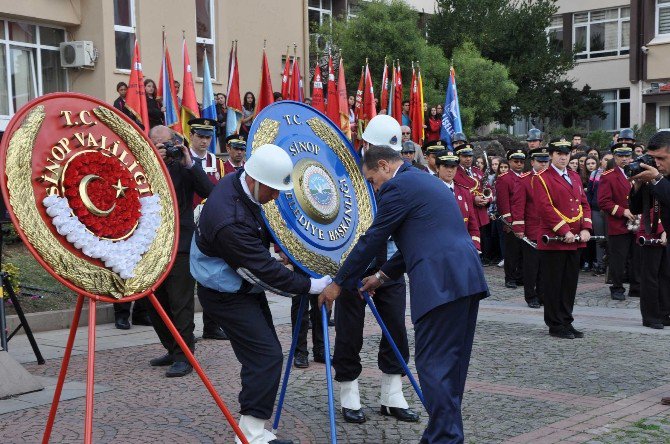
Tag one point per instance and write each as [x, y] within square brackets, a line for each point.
[31, 32]
[623, 53]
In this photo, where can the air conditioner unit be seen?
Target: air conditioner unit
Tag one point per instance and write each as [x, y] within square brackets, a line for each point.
[77, 54]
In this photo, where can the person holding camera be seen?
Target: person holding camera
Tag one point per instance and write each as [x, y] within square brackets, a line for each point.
[613, 201]
[175, 294]
[656, 175]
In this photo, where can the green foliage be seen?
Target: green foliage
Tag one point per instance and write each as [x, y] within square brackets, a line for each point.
[569, 105]
[483, 86]
[599, 139]
[643, 133]
[13, 273]
[512, 33]
[388, 29]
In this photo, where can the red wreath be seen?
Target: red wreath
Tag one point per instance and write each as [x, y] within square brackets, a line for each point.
[101, 191]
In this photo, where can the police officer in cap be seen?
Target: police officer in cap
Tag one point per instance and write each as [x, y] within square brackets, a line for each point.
[432, 149]
[626, 135]
[390, 300]
[409, 153]
[231, 262]
[237, 149]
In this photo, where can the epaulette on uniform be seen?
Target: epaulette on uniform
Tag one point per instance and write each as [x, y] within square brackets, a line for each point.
[501, 175]
[607, 172]
[541, 171]
[525, 174]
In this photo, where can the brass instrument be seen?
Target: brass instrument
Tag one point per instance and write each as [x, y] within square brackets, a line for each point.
[634, 225]
[547, 239]
[477, 190]
[645, 242]
[488, 193]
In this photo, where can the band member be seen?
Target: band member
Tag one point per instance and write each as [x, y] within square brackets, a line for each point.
[527, 223]
[237, 149]
[474, 179]
[613, 201]
[505, 185]
[390, 300]
[654, 265]
[432, 149]
[447, 165]
[563, 212]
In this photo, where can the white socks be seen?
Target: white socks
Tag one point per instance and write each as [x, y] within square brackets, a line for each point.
[254, 430]
[349, 396]
[391, 392]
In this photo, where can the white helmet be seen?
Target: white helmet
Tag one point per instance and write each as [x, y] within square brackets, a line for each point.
[383, 130]
[271, 166]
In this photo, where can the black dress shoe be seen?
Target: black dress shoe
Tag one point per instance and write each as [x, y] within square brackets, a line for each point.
[142, 320]
[519, 283]
[562, 334]
[179, 369]
[618, 296]
[301, 360]
[280, 441]
[219, 334]
[534, 303]
[354, 416]
[510, 284]
[319, 356]
[575, 332]
[164, 360]
[400, 414]
[122, 324]
[654, 325]
[666, 322]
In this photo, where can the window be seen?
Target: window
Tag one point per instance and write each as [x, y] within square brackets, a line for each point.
[662, 17]
[124, 32]
[29, 64]
[616, 103]
[555, 33]
[601, 33]
[204, 23]
[319, 12]
[663, 116]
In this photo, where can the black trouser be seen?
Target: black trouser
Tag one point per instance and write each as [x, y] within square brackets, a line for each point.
[532, 288]
[140, 309]
[349, 321]
[559, 283]
[176, 297]
[208, 324]
[485, 234]
[315, 316]
[513, 258]
[654, 284]
[621, 258]
[254, 340]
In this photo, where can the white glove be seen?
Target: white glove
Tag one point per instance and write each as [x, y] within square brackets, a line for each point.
[318, 285]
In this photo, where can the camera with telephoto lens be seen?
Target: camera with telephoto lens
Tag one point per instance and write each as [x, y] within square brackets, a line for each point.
[635, 167]
[173, 148]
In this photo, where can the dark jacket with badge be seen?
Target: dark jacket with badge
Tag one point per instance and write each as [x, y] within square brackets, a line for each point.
[232, 242]
[186, 182]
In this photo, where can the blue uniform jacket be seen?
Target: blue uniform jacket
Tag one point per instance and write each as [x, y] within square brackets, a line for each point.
[434, 247]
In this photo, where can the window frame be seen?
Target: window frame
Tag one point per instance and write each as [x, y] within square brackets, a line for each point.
[657, 17]
[658, 115]
[211, 41]
[127, 29]
[551, 28]
[617, 101]
[587, 54]
[38, 83]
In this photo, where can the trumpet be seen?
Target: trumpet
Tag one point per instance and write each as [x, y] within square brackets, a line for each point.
[634, 225]
[645, 242]
[547, 239]
[487, 193]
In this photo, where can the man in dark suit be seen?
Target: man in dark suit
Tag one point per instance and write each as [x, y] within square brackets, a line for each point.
[445, 274]
[659, 149]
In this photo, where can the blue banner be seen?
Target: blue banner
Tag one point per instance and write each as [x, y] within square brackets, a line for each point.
[451, 115]
[208, 105]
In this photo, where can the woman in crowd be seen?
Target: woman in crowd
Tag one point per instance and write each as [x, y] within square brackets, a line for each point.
[480, 163]
[588, 254]
[502, 166]
[596, 215]
[154, 107]
[248, 110]
[593, 152]
[574, 164]
[433, 125]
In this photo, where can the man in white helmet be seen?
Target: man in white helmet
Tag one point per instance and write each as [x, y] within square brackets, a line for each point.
[390, 300]
[231, 262]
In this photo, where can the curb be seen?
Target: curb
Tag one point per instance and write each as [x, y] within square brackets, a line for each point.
[62, 319]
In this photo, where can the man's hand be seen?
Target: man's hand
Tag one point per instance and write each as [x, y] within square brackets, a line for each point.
[584, 235]
[161, 150]
[628, 215]
[370, 284]
[283, 258]
[650, 173]
[569, 237]
[329, 294]
[186, 160]
[480, 201]
[519, 235]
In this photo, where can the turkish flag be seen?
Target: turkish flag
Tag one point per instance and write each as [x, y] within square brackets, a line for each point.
[317, 90]
[333, 108]
[266, 95]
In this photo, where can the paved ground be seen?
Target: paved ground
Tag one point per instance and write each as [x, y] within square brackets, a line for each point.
[523, 386]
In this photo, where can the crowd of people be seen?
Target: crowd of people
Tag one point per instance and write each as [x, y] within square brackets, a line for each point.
[532, 212]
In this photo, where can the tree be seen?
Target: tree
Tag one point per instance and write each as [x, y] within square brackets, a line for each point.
[389, 29]
[512, 33]
[483, 86]
[571, 106]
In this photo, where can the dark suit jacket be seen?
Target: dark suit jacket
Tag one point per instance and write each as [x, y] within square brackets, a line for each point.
[434, 246]
[662, 193]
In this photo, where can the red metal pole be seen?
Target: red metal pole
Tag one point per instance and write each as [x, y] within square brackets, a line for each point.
[90, 373]
[198, 369]
[63, 369]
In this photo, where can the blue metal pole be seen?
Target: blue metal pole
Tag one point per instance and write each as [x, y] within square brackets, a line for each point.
[387, 334]
[329, 376]
[289, 363]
